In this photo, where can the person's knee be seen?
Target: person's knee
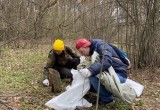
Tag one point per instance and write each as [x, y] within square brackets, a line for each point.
[123, 80]
[65, 73]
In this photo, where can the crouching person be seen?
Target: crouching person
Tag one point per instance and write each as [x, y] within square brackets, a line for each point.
[86, 48]
[61, 60]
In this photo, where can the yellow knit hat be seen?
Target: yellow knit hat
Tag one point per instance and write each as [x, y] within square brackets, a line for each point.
[58, 45]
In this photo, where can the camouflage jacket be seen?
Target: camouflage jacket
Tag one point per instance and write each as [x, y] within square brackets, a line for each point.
[55, 60]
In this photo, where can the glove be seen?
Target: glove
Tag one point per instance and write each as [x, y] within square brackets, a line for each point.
[82, 59]
[85, 72]
[46, 82]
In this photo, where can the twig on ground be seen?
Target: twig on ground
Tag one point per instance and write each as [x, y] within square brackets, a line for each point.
[15, 95]
[5, 104]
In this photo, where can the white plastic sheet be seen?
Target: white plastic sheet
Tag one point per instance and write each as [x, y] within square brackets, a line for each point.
[73, 96]
[136, 86]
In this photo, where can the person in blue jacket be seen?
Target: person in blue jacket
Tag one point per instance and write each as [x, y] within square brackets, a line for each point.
[86, 48]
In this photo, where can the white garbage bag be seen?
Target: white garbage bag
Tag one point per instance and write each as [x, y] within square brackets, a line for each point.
[136, 86]
[73, 96]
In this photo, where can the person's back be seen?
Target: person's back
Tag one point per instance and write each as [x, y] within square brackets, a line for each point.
[111, 57]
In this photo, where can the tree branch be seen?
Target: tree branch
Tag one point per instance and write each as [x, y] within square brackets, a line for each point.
[125, 10]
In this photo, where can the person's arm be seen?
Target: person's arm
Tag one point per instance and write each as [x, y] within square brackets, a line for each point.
[71, 53]
[50, 64]
[96, 67]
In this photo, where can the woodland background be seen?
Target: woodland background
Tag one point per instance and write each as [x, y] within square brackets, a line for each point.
[29, 27]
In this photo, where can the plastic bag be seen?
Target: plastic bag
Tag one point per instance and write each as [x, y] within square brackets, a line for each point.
[136, 86]
[73, 96]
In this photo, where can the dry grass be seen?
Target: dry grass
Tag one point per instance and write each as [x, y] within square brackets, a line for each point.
[21, 72]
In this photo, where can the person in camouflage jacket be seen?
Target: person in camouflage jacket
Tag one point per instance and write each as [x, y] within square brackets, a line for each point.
[62, 59]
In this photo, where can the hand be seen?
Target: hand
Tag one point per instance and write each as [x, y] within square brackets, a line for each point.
[46, 82]
[85, 72]
[82, 59]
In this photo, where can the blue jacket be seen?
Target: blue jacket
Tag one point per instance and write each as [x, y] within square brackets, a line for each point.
[110, 59]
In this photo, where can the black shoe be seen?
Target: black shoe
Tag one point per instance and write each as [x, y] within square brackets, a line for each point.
[90, 99]
[94, 101]
[109, 103]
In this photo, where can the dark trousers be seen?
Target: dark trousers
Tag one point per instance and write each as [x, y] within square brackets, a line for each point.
[65, 71]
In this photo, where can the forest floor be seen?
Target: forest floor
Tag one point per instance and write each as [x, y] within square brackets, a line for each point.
[21, 73]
